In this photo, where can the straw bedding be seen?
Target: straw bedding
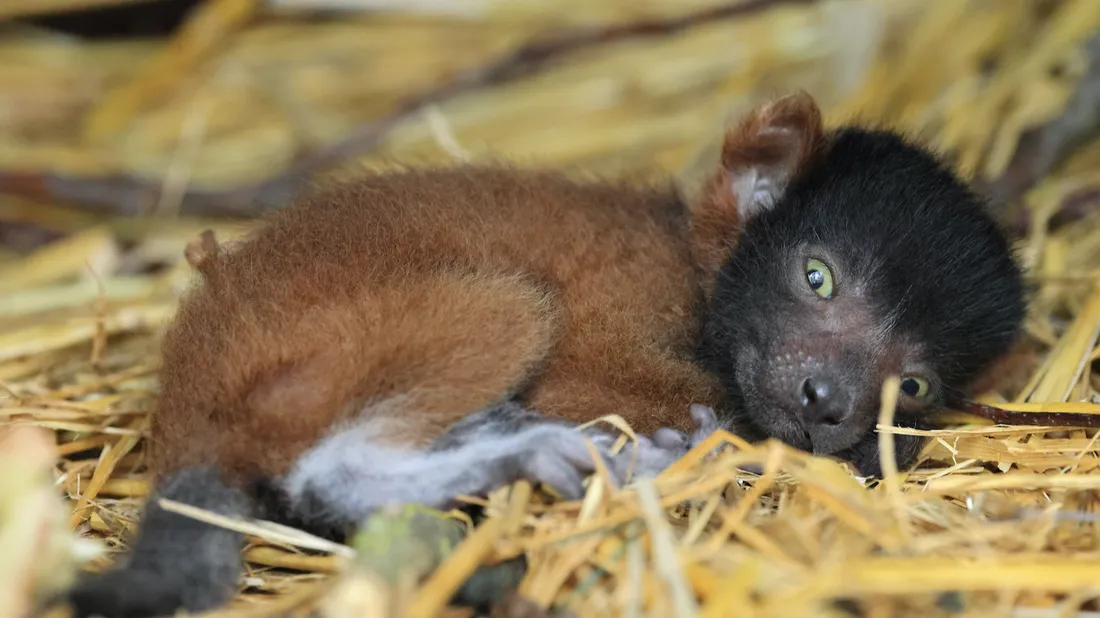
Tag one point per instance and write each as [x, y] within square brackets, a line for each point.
[115, 153]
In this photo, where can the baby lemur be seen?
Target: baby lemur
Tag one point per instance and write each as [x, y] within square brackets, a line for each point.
[421, 334]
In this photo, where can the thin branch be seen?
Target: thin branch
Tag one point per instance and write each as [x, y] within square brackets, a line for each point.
[128, 195]
[1001, 416]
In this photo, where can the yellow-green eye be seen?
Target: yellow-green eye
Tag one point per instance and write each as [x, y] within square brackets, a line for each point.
[914, 387]
[819, 277]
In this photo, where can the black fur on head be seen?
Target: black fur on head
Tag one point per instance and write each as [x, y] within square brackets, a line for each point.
[869, 259]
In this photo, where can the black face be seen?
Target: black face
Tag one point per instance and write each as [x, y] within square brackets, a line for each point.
[876, 261]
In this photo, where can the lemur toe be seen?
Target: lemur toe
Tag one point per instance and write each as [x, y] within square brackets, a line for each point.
[670, 439]
[559, 457]
[705, 420]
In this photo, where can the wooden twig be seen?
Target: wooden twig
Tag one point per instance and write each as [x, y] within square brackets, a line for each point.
[129, 195]
[1001, 416]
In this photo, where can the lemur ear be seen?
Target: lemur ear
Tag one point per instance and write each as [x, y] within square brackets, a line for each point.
[759, 157]
[767, 148]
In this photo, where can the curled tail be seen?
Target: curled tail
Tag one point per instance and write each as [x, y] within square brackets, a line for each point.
[176, 562]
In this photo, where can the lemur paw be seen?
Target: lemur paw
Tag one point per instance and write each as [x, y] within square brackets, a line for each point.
[555, 453]
[667, 445]
[557, 456]
[705, 421]
[644, 457]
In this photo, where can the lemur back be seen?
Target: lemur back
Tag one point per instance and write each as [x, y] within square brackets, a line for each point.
[431, 295]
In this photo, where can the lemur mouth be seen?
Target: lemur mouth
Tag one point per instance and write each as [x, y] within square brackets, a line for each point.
[803, 440]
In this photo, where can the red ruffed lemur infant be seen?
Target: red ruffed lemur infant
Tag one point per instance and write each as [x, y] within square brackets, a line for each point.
[421, 334]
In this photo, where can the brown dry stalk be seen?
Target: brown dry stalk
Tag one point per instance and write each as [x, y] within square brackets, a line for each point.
[1029, 418]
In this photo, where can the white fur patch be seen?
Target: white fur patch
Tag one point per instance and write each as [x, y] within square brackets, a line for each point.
[352, 473]
[754, 191]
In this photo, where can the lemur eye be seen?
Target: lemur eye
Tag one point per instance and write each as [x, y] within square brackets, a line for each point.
[914, 387]
[819, 277]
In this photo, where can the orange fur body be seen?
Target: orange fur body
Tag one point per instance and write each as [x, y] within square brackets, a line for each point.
[441, 290]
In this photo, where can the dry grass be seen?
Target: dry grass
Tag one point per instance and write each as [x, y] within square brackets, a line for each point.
[1000, 521]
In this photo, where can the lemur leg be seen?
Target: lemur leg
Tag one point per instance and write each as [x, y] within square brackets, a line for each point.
[354, 472]
[421, 353]
[645, 457]
[646, 385]
[431, 368]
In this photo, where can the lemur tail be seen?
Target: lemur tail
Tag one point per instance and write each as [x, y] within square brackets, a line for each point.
[176, 562]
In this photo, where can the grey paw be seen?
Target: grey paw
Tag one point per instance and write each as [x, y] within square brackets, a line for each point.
[557, 456]
[706, 423]
[671, 439]
[668, 445]
[647, 457]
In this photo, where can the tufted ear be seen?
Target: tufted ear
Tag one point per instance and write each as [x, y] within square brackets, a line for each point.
[768, 147]
[759, 158]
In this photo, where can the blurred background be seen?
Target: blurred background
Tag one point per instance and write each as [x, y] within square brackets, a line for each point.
[218, 107]
[127, 127]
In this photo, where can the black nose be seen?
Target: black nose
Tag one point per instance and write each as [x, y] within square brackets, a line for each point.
[822, 401]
